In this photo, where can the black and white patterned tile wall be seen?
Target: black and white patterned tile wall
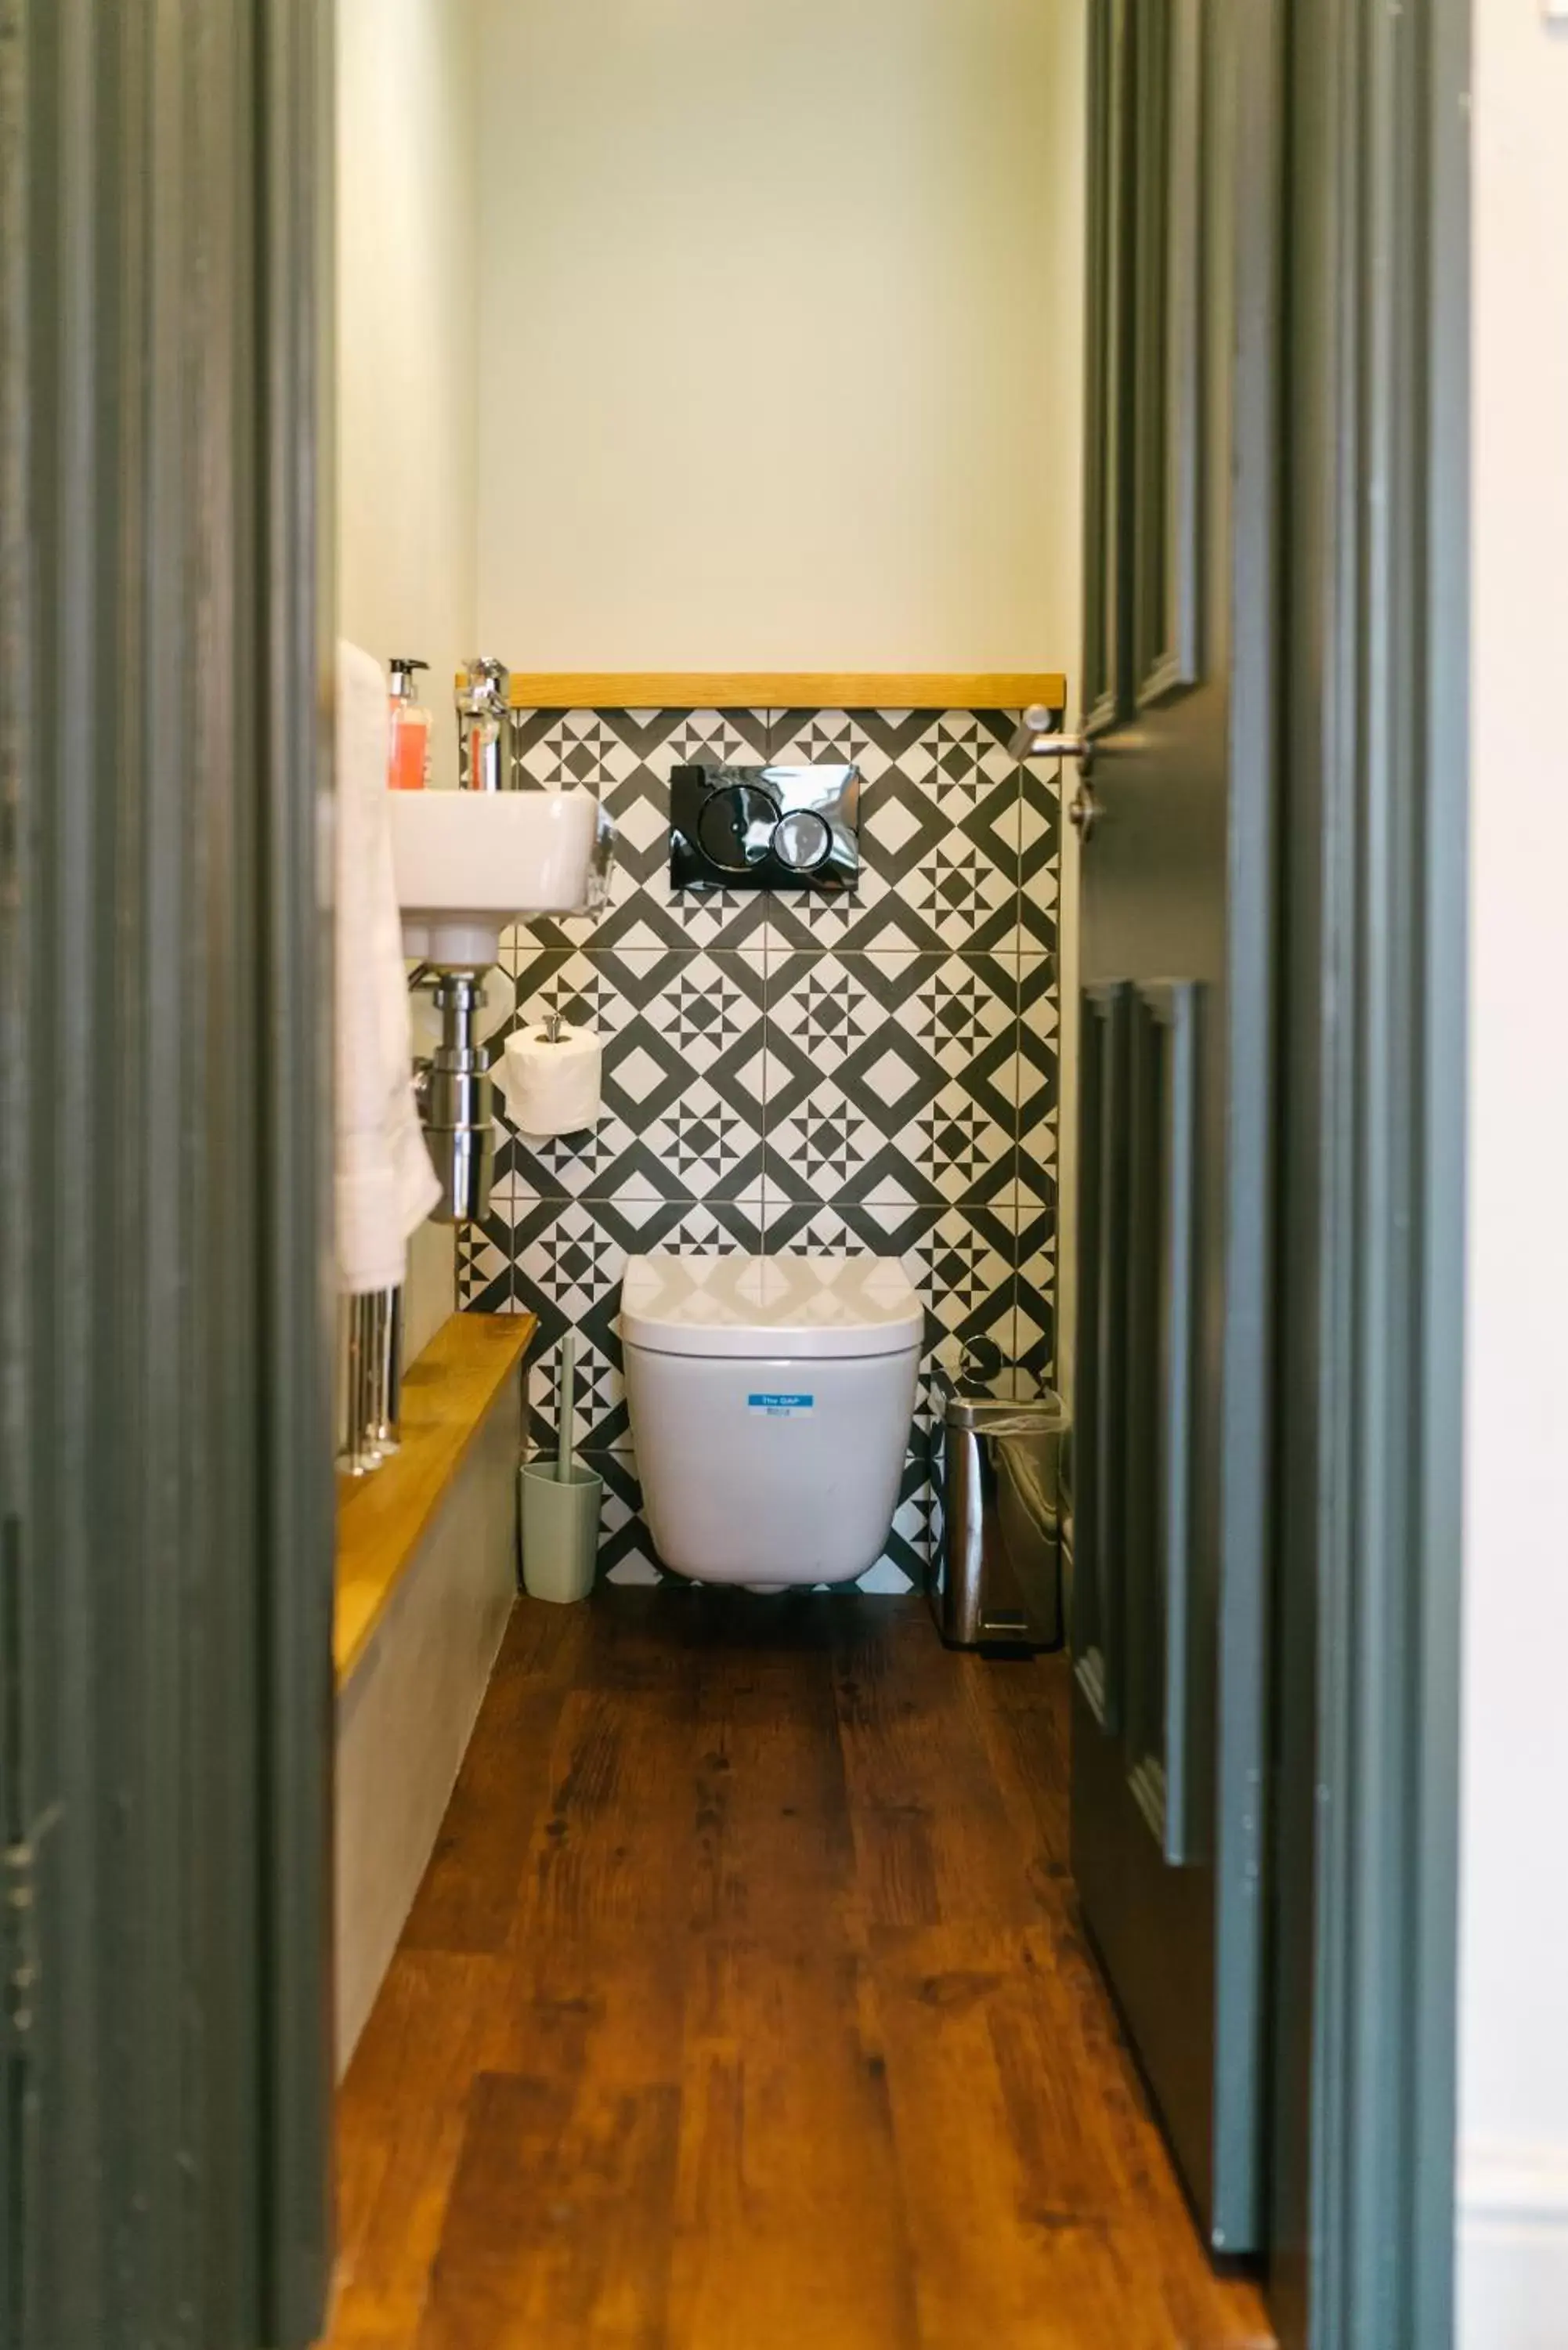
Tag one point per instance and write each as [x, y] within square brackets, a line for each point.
[789, 1073]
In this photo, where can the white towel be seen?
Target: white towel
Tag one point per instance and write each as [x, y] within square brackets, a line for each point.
[385, 1186]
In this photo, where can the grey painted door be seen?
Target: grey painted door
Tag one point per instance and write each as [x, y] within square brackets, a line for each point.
[165, 1472]
[1177, 827]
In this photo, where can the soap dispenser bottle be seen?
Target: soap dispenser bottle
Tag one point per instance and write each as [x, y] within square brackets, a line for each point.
[408, 757]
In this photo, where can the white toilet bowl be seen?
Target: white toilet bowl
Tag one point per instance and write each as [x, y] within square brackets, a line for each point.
[771, 1399]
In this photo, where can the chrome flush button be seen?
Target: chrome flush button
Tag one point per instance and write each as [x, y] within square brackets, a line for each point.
[801, 841]
[736, 827]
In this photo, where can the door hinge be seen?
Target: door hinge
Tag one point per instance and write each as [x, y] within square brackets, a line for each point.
[18, 1943]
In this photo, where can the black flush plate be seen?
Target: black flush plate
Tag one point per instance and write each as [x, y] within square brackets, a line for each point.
[765, 827]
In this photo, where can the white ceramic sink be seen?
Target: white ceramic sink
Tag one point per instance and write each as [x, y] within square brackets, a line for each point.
[467, 864]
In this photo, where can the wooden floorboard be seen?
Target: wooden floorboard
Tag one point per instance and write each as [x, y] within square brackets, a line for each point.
[744, 2005]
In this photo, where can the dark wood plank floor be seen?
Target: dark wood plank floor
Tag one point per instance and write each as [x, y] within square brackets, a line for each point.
[744, 2007]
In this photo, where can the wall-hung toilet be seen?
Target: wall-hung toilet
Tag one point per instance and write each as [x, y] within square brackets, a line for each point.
[771, 1399]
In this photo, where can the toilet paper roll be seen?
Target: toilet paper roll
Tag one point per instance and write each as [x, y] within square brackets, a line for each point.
[552, 1087]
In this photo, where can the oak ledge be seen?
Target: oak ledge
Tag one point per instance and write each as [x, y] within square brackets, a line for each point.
[448, 1394]
[785, 689]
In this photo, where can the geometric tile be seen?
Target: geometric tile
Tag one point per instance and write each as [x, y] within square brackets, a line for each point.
[960, 1260]
[975, 746]
[890, 1075]
[1035, 1291]
[564, 1249]
[970, 1154]
[958, 1006]
[1039, 1064]
[723, 737]
[626, 1552]
[961, 889]
[876, 1071]
[1039, 1026]
[1040, 861]
[692, 1142]
[486, 1279]
[819, 1142]
[828, 1143]
[939, 833]
[825, 1007]
[541, 979]
[561, 1265]
[964, 1270]
[682, 1034]
[571, 750]
[967, 1001]
[903, 1565]
[1037, 1184]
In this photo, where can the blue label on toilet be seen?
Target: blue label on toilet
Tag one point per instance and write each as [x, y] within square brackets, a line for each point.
[781, 1406]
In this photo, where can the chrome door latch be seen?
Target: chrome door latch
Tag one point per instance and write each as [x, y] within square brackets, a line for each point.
[1039, 737]
[1083, 810]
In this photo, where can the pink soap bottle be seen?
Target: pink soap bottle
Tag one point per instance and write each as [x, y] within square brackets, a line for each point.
[409, 758]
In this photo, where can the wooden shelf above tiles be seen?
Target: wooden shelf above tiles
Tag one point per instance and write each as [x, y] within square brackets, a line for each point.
[448, 1394]
[782, 689]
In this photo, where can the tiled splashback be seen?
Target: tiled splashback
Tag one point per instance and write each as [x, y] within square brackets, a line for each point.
[790, 1073]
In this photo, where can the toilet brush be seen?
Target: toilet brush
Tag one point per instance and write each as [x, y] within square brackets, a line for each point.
[568, 1408]
[561, 1503]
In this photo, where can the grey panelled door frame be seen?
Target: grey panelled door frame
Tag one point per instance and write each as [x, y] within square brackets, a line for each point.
[1364, 1842]
[165, 1475]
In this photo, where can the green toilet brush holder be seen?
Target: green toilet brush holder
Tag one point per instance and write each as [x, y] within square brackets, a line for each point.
[560, 1508]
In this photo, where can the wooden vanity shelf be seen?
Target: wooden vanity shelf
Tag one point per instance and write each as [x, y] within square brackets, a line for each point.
[782, 689]
[448, 1395]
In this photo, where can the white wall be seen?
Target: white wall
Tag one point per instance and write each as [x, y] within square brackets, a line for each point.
[408, 413]
[781, 344]
[1513, 2236]
[407, 330]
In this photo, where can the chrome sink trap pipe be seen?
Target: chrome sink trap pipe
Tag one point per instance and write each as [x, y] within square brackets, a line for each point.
[452, 1086]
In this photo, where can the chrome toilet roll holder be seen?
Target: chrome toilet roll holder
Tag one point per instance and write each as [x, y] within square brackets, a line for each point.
[567, 1062]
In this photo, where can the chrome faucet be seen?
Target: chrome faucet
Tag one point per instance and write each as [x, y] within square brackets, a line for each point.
[483, 716]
